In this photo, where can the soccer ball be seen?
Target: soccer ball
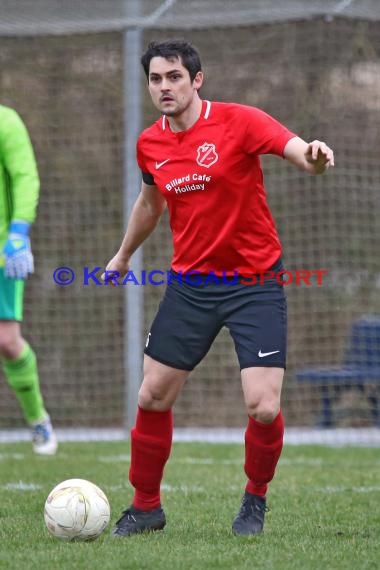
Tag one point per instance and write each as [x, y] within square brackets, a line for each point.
[76, 509]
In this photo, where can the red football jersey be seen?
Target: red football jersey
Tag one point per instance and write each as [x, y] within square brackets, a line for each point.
[211, 178]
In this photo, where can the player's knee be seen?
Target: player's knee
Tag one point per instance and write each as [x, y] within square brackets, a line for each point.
[10, 346]
[145, 400]
[264, 410]
[153, 398]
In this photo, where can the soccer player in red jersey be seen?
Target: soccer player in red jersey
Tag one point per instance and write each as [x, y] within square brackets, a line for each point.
[200, 159]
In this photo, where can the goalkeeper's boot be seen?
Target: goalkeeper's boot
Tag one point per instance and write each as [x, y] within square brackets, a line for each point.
[135, 521]
[44, 438]
[250, 518]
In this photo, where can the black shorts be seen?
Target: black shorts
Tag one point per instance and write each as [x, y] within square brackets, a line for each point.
[190, 317]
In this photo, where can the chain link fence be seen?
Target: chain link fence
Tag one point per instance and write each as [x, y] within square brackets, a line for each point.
[316, 67]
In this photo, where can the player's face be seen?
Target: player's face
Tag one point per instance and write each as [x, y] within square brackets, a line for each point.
[170, 86]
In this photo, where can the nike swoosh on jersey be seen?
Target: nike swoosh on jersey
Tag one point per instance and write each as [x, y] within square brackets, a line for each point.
[262, 354]
[159, 164]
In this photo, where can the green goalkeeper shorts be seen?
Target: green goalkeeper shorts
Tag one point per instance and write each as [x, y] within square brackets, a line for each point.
[11, 298]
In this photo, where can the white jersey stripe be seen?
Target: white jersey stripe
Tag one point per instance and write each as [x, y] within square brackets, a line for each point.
[206, 115]
[208, 109]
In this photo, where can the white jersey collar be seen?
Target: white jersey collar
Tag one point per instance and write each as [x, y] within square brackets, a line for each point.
[206, 113]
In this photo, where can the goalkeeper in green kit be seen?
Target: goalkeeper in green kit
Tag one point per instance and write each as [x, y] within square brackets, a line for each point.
[19, 191]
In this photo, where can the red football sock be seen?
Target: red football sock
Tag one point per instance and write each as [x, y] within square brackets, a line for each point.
[151, 441]
[263, 446]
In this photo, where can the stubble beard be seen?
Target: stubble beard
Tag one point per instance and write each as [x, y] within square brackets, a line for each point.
[172, 112]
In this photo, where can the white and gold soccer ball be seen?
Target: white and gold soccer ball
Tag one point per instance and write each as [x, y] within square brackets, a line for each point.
[76, 509]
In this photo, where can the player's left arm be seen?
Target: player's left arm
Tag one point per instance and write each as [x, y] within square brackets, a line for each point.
[20, 164]
[18, 157]
[314, 157]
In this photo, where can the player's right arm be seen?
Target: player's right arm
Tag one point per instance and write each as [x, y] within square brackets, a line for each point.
[145, 215]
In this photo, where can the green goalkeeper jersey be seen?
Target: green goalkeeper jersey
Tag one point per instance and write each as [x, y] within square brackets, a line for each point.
[19, 181]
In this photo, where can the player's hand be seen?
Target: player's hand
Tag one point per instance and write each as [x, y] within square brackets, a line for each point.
[118, 267]
[17, 253]
[319, 155]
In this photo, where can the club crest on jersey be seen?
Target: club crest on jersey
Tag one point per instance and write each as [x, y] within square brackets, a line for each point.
[207, 155]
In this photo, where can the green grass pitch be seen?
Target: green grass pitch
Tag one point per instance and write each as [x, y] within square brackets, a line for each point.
[324, 510]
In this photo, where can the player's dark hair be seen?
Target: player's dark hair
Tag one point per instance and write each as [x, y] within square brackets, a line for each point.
[173, 49]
